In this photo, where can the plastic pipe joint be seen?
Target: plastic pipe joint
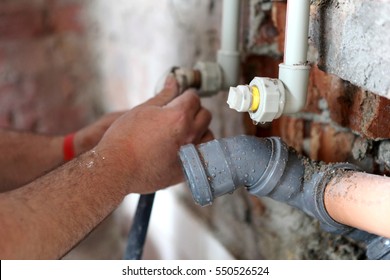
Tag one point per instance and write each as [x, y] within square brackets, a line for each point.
[267, 167]
[264, 99]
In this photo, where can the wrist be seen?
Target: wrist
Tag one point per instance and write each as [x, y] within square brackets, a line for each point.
[122, 168]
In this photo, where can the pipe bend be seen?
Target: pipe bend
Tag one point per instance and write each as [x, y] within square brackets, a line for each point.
[266, 166]
[221, 166]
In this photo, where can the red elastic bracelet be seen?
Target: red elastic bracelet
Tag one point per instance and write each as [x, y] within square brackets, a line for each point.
[68, 147]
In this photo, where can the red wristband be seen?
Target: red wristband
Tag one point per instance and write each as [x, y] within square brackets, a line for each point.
[68, 147]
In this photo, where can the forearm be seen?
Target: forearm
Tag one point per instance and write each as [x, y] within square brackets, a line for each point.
[26, 156]
[46, 218]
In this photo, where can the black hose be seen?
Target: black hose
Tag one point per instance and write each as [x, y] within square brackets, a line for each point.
[137, 233]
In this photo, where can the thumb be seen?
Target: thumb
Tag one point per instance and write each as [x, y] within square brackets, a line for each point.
[168, 93]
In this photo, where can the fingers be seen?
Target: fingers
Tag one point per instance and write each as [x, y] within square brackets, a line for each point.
[208, 136]
[169, 92]
[201, 124]
[189, 102]
[197, 118]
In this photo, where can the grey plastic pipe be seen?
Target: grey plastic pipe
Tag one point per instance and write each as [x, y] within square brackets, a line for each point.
[268, 167]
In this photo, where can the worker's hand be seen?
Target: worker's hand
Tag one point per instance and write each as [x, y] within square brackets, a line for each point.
[144, 142]
[88, 137]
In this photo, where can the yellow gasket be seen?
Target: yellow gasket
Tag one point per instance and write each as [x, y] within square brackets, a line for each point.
[255, 99]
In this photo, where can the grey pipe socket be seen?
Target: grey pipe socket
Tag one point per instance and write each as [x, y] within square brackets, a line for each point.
[268, 167]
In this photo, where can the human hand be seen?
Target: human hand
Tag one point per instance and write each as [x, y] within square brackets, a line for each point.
[88, 137]
[144, 142]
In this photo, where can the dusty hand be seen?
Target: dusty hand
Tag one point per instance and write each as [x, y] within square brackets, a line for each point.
[145, 141]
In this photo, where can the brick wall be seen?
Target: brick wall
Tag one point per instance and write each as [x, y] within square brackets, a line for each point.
[47, 76]
[342, 120]
[346, 118]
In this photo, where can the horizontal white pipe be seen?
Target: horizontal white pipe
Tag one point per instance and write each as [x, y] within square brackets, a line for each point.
[297, 26]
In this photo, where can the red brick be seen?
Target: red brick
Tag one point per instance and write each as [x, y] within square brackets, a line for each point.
[364, 112]
[260, 66]
[20, 21]
[279, 12]
[267, 32]
[319, 88]
[379, 125]
[330, 145]
[291, 130]
[66, 18]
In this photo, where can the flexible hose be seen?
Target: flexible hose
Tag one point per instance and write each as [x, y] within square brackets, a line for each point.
[137, 233]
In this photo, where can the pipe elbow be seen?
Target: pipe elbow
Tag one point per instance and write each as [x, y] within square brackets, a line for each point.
[221, 166]
[295, 79]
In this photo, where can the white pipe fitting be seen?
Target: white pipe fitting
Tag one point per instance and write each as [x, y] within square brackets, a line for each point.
[211, 77]
[263, 98]
[288, 93]
[271, 99]
[295, 80]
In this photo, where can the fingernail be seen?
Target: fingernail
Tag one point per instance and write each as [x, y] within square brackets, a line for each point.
[170, 81]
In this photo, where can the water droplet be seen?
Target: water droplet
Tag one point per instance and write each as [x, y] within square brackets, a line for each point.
[213, 175]
[246, 175]
[255, 122]
[239, 167]
[238, 158]
[251, 178]
[253, 171]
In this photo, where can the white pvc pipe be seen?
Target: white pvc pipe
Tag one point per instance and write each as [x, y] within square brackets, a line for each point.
[294, 72]
[230, 25]
[297, 28]
[228, 56]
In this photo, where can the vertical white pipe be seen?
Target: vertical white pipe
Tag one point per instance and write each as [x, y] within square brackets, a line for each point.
[294, 72]
[297, 28]
[228, 56]
[230, 25]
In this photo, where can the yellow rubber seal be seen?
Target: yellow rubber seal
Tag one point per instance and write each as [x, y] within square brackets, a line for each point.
[255, 99]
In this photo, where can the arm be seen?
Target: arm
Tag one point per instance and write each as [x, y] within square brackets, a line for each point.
[137, 154]
[26, 156]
